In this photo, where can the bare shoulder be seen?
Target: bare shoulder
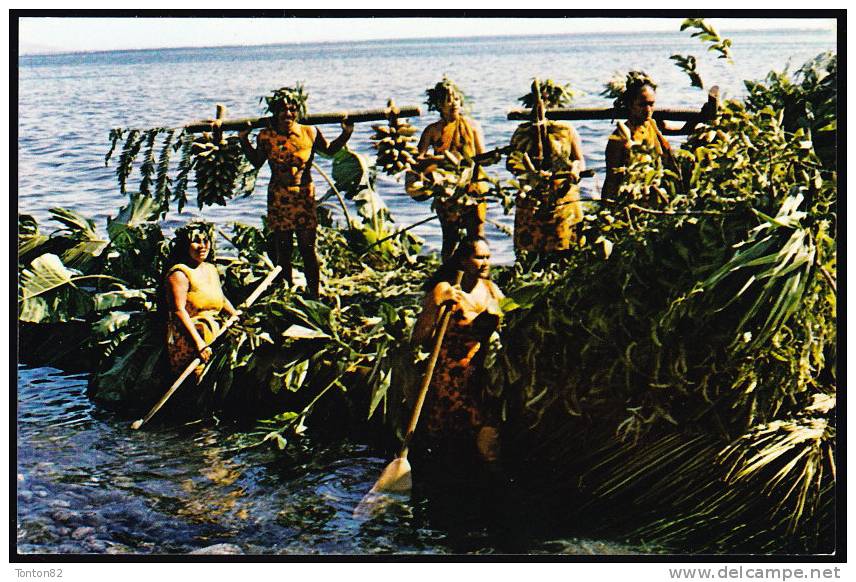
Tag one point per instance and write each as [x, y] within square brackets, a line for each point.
[178, 277]
[433, 129]
[495, 290]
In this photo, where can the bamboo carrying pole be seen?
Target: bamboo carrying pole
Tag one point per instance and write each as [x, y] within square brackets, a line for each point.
[358, 116]
[396, 477]
[192, 365]
[576, 114]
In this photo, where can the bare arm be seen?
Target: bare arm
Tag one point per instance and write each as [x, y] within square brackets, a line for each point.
[706, 113]
[615, 158]
[577, 151]
[334, 146]
[443, 293]
[177, 287]
[256, 155]
[479, 138]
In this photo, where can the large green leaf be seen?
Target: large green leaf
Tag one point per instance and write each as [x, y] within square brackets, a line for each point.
[139, 210]
[351, 172]
[48, 293]
[29, 237]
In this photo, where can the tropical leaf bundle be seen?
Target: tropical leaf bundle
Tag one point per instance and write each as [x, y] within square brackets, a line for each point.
[456, 183]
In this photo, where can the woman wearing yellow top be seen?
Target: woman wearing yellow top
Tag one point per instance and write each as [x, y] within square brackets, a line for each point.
[461, 137]
[544, 218]
[289, 148]
[193, 296]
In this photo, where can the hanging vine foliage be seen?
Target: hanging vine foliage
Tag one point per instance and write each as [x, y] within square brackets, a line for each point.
[221, 170]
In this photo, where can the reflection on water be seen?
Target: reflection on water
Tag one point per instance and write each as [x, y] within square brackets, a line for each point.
[87, 483]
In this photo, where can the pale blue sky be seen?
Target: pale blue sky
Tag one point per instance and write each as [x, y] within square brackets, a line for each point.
[92, 34]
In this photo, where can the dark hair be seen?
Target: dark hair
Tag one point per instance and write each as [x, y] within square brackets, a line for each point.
[437, 94]
[453, 264]
[179, 252]
[636, 81]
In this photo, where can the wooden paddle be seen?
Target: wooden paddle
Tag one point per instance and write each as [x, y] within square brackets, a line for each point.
[192, 365]
[396, 477]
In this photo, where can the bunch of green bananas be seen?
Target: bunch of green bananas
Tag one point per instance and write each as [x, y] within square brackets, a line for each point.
[222, 171]
[395, 150]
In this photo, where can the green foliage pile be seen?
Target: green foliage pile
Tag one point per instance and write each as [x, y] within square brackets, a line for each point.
[681, 364]
[287, 356]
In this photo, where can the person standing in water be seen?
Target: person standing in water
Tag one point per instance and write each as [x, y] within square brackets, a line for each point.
[462, 138]
[289, 148]
[461, 417]
[193, 296]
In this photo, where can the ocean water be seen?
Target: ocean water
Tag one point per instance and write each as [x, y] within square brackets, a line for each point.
[86, 483]
[80, 97]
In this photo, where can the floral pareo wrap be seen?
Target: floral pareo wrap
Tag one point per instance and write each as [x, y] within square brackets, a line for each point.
[291, 207]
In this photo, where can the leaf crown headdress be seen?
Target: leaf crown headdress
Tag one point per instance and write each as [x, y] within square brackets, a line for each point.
[190, 232]
[293, 95]
[623, 89]
[437, 94]
[552, 95]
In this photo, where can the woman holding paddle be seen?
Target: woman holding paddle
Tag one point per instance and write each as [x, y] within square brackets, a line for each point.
[461, 138]
[289, 148]
[459, 412]
[193, 296]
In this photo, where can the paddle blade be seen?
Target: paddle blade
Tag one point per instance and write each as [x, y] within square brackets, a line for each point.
[137, 424]
[396, 478]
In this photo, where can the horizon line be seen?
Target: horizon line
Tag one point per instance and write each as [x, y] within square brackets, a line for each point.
[61, 52]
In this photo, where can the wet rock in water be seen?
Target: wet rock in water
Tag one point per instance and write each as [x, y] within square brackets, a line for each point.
[82, 532]
[68, 549]
[96, 546]
[62, 530]
[20, 477]
[63, 515]
[60, 503]
[115, 548]
[219, 550]
[25, 495]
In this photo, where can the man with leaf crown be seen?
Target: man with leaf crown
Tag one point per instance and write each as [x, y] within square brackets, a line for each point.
[453, 139]
[547, 158]
[289, 148]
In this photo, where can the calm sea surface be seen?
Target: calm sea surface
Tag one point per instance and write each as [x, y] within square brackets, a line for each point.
[86, 483]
